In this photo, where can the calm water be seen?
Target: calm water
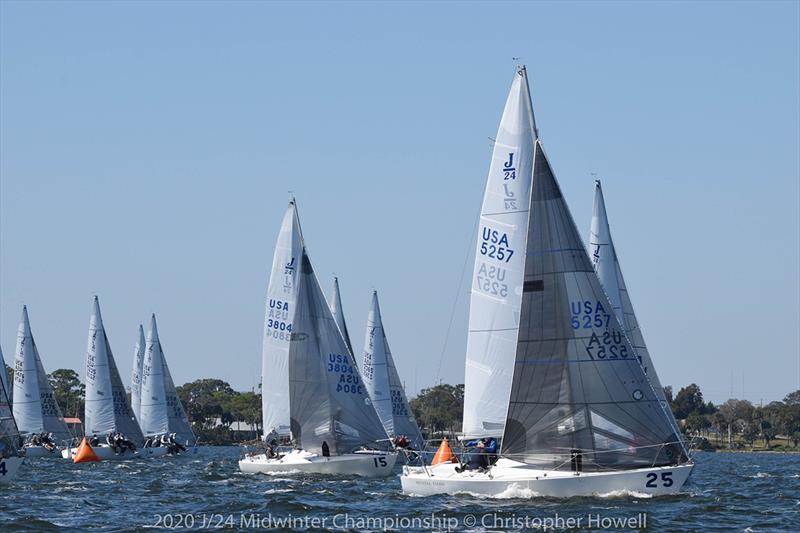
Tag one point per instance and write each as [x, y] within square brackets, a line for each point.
[727, 492]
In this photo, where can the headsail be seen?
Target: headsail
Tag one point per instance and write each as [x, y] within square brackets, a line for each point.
[606, 264]
[161, 409]
[499, 265]
[107, 406]
[9, 434]
[35, 408]
[338, 315]
[136, 374]
[383, 382]
[4, 380]
[278, 323]
[329, 402]
[578, 386]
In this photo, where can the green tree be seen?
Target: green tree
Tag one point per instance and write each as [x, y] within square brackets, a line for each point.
[688, 400]
[68, 391]
[440, 408]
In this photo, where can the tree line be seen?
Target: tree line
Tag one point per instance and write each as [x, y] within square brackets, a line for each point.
[221, 415]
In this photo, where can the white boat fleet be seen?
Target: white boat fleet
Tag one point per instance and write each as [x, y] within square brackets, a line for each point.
[556, 365]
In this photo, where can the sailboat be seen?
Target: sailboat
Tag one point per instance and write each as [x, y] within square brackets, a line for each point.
[11, 455]
[581, 416]
[383, 382]
[338, 314]
[161, 411]
[108, 410]
[35, 409]
[332, 423]
[136, 375]
[4, 380]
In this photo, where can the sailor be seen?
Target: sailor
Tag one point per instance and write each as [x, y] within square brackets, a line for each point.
[484, 455]
[326, 452]
[94, 440]
[35, 440]
[401, 441]
[178, 446]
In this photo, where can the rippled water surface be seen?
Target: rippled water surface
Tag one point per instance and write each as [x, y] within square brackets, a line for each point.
[727, 492]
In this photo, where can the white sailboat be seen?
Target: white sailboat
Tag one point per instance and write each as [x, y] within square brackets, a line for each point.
[107, 407]
[338, 314]
[136, 375]
[11, 455]
[35, 409]
[161, 411]
[383, 382]
[333, 426]
[581, 416]
[4, 380]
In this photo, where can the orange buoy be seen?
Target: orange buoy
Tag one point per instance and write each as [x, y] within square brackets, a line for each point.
[85, 453]
[444, 454]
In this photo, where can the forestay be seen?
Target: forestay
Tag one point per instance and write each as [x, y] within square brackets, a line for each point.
[161, 410]
[278, 322]
[338, 315]
[136, 374]
[35, 407]
[606, 264]
[578, 387]
[499, 262]
[107, 406]
[383, 382]
[329, 402]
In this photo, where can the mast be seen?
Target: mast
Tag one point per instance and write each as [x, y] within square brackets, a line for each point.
[4, 381]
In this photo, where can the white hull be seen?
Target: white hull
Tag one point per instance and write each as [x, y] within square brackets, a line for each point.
[8, 469]
[40, 451]
[512, 479]
[106, 453]
[366, 464]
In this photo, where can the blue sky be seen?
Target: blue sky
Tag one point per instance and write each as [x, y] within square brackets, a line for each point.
[147, 151]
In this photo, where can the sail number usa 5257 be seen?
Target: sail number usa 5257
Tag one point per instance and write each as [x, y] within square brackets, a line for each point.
[494, 245]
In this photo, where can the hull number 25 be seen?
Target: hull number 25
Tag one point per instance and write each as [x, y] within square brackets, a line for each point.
[652, 480]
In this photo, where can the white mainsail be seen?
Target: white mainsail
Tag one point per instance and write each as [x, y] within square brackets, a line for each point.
[4, 381]
[107, 406]
[383, 382]
[136, 374]
[606, 264]
[161, 410]
[35, 408]
[499, 264]
[278, 322]
[338, 314]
